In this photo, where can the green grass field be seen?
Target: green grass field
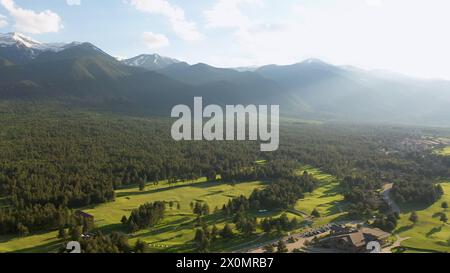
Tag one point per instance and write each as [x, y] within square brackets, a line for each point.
[445, 151]
[173, 233]
[429, 234]
[176, 232]
[177, 229]
[326, 198]
[36, 243]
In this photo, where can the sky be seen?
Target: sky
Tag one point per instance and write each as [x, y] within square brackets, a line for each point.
[405, 36]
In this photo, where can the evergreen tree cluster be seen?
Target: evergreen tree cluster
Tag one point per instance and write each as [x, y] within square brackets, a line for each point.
[146, 216]
[279, 224]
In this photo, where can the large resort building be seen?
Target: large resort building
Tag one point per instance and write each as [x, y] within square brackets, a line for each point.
[355, 240]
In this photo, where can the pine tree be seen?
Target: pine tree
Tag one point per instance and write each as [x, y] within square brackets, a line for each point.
[22, 230]
[205, 209]
[414, 218]
[444, 218]
[269, 248]
[315, 213]
[141, 247]
[202, 240]
[75, 233]
[141, 185]
[62, 233]
[214, 233]
[281, 247]
[227, 232]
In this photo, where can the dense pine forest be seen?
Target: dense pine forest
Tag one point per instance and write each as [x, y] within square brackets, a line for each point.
[55, 159]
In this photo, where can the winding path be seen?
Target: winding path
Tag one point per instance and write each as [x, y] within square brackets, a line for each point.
[397, 243]
[386, 193]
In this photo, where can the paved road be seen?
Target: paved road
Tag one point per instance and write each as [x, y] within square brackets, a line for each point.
[259, 248]
[397, 243]
[387, 197]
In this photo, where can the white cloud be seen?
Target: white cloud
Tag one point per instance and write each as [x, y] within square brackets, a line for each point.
[155, 40]
[185, 29]
[30, 21]
[73, 2]
[3, 21]
[375, 3]
[228, 14]
[410, 41]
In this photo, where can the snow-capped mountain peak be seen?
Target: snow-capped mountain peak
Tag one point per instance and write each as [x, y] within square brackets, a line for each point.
[20, 40]
[14, 38]
[150, 61]
[20, 49]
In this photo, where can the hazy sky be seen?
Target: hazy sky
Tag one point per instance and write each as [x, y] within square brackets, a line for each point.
[407, 36]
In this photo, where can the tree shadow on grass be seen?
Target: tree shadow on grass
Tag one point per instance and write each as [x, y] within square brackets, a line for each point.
[404, 228]
[118, 227]
[341, 218]
[336, 208]
[215, 219]
[445, 244]
[156, 231]
[213, 193]
[137, 193]
[437, 214]
[332, 191]
[188, 247]
[7, 238]
[219, 183]
[167, 239]
[201, 185]
[410, 207]
[434, 231]
[43, 248]
[177, 225]
[166, 188]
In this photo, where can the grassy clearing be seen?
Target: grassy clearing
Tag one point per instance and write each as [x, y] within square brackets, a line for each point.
[327, 199]
[176, 231]
[37, 243]
[214, 193]
[444, 152]
[173, 234]
[429, 233]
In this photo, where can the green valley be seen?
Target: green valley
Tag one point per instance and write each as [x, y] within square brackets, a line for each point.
[429, 233]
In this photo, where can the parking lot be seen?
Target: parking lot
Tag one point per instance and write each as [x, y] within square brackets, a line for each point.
[322, 230]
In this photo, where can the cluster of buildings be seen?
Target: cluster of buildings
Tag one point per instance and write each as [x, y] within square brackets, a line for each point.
[354, 240]
[422, 144]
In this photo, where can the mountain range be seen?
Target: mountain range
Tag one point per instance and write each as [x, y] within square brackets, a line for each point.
[150, 61]
[84, 75]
